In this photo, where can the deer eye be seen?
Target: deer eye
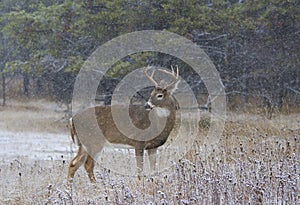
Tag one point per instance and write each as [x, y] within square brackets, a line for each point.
[159, 96]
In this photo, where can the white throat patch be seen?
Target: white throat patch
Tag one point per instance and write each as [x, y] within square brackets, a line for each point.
[162, 112]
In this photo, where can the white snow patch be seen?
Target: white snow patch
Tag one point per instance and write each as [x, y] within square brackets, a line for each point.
[34, 145]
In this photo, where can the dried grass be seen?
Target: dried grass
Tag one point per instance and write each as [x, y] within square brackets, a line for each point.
[257, 163]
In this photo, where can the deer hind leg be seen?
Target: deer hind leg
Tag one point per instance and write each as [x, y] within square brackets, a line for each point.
[76, 162]
[152, 158]
[139, 154]
[89, 167]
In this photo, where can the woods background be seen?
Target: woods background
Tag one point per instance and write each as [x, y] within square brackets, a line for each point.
[255, 45]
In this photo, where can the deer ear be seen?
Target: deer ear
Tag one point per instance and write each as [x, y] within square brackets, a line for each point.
[173, 88]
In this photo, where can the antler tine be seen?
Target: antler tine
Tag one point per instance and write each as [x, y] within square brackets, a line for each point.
[173, 70]
[172, 74]
[150, 77]
[177, 71]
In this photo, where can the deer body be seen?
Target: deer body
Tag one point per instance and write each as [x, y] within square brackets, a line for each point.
[160, 106]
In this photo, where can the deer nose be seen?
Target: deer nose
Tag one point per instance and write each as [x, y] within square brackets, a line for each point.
[148, 105]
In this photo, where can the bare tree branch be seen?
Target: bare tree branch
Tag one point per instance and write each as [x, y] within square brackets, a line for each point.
[292, 89]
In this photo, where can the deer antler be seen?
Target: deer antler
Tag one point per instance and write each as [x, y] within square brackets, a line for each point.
[172, 74]
[150, 77]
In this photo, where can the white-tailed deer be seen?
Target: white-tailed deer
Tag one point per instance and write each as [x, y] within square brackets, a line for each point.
[161, 104]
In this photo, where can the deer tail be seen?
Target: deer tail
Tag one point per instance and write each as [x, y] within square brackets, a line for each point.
[73, 131]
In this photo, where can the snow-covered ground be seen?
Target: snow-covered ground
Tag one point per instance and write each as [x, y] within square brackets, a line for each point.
[259, 164]
[34, 145]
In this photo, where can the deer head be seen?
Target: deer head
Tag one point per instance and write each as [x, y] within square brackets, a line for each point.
[161, 96]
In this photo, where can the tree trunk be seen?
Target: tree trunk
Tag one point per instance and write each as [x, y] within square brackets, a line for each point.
[3, 90]
[38, 86]
[26, 84]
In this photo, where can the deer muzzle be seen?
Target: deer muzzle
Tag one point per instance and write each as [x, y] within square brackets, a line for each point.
[149, 106]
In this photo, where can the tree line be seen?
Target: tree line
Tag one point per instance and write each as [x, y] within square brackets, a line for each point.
[253, 44]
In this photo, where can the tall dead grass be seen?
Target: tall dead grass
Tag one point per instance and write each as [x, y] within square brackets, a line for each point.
[257, 163]
[33, 116]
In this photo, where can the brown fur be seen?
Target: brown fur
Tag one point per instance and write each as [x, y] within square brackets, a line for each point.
[100, 119]
[140, 118]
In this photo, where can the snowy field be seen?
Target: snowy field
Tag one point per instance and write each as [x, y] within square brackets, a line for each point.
[258, 163]
[33, 145]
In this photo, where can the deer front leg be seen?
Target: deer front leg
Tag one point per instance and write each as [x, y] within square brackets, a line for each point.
[152, 158]
[139, 154]
[76, 163]
[89, 167]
